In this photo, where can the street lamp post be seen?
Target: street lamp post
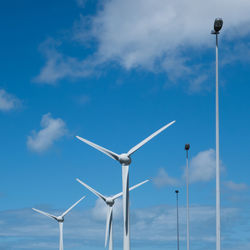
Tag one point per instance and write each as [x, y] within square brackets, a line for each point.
[187, 147]
[218, 23]
[177, 215]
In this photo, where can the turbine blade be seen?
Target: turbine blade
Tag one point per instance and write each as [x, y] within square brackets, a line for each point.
[135, 148]
[108, 224]
[67, 211]
[125, 184]
[133, 187]
[117, 195]
[102, 149]
[46, 214]
[138, 185]
[92, 190]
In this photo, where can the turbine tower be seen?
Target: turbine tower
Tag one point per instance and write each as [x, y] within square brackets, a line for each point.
[60, 220]
[125, 160]
[110, 201]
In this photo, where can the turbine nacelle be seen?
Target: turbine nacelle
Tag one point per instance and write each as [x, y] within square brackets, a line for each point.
[124, 159]
[110, 201]
[60, 219]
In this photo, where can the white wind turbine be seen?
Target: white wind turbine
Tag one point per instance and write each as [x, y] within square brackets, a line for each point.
[110, 201]
[125, 160]
[60, 220]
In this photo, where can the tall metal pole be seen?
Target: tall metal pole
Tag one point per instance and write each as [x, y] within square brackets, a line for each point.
[217, 155]
[217, 27]
[187, 147]
[177, 215]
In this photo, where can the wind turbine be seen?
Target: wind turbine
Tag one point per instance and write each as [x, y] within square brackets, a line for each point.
[110, 201]
[125, 160]
[60, 220]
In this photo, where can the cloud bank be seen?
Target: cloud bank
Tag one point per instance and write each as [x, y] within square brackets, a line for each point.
[154, 227]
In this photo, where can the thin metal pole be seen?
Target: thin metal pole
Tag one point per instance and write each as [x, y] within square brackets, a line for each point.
[177, 214]
[187, 146]
[217, 155]
[218, 23]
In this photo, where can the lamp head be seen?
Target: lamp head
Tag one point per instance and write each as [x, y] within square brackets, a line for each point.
[218, 23]
[177, 191]
[187, 146]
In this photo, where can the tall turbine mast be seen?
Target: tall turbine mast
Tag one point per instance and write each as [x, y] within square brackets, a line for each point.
[125, 160]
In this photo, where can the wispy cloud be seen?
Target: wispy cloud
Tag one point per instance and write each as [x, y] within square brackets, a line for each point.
[59, 66]
[52, 130]
[163, 179]
[240, 52]
[81, 3]
[8, 101]
[235, 186]
[83, 99]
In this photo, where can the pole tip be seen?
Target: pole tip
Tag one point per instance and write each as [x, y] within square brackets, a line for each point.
[187, 146]
[177, 191]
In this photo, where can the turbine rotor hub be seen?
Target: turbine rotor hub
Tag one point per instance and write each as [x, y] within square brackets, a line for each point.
[60, 219]
[110, 201]
[124, 159]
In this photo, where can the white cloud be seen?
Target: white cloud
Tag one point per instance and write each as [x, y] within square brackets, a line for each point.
[202, 166]
[52, 130]
[137, 33]
[201, 169]
[156, 35]
[236, 186]
[163, 179]
[8, 101]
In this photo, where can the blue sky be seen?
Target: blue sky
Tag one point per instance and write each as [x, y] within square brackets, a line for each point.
[113, 73]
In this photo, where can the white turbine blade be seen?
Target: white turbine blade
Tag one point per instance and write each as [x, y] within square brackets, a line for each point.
[108, 224]
[125, 184]
[138, 185]
[46, 214]
[132, 150]
[102, 149]
[135, 186]
[72, 206]
[117, 195]
[92, 190]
